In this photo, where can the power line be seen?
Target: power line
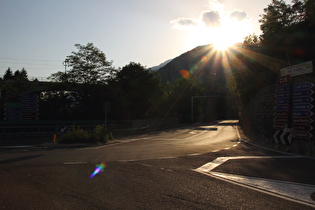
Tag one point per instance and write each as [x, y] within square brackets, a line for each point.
[12, 67]
[25, 59]
[31, 64]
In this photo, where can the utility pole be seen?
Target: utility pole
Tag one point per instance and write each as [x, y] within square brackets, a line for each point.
[65, 63]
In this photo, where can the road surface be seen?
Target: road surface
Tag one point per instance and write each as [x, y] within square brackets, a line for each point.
[193, 167]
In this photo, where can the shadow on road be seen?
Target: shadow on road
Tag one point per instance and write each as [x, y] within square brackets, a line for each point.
[206, 129]
[19, 159]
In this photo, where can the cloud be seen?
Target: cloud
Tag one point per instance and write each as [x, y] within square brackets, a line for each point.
[238, 15]
[211, 18]
[183, 23]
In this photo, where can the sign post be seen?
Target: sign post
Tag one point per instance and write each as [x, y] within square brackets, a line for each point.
[299, 69]
[302, 114]
[294, 108]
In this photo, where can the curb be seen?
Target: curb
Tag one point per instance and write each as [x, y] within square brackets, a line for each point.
[250, 141]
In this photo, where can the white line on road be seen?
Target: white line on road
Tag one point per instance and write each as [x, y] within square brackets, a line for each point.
[296, 192]
[194, 154]
[15, 147]
[220, 160]
[74, 163]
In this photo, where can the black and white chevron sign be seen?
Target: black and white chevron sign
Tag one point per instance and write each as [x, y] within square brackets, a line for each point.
[283, 137]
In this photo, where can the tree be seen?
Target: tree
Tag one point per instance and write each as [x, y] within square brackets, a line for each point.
[137, 92]
[15, 85]
[178, 100]
[251, 40]
[288, 30]
[88, 66]
[21, 75]
[8, 74]
[279, 15]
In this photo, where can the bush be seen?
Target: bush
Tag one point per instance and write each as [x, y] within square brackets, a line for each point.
[77, 135]
[101, 134]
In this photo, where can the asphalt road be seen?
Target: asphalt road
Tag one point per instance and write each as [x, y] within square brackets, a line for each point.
[192, 167]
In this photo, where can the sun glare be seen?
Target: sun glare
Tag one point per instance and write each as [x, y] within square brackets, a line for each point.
[223, 41]
[230, 32]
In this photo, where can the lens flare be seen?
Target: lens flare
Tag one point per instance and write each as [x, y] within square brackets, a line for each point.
[185, 73]
[99, 168]
[204, 59]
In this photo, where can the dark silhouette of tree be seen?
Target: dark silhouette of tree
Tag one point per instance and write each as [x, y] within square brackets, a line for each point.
[8, 74]
[87, 66]
[251, 41]
[178, 98]
[289, 30]
[23, 74]
[137, 92]
[14, 85]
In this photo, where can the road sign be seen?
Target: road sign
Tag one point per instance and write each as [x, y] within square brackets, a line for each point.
[302, 107]
[302, 135]
[283, 95]
[302, 113]
[301, 116]
[283, 80]
[282, 107]
[302, 100]
[29, 106]
[12, 111]
[281, 121]
[282, 114]
[303, 86]
[303, 121]
[283, 137]
[296, 70]
[302, 93]
[284, 101]
[29, 116]
[303, 127]
[13, 105]
[282, 89]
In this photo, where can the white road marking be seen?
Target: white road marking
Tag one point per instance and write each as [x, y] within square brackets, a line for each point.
[195, 135]
[220, 160]
[296, 192]
[14, 147]
[74, 163]
[194, 154]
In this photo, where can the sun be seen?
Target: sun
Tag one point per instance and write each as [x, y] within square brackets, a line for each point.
[230, 32]
[222, 41]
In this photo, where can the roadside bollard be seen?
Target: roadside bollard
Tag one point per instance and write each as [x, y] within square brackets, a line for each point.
[54, 138]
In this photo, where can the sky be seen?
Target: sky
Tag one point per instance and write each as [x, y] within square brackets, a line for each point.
[39, 34]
